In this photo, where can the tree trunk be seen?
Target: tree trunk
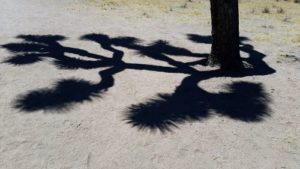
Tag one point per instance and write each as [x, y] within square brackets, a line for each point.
[225, 34]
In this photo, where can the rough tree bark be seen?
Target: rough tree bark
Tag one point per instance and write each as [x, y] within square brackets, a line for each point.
[225, 34]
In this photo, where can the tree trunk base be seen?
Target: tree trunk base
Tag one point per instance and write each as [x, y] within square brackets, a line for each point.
[225, 35]
[232, 66]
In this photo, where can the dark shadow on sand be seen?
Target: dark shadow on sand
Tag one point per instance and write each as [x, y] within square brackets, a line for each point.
[243, 101]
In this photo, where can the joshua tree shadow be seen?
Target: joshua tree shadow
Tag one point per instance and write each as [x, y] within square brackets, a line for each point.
[244, 100]
[65, 92]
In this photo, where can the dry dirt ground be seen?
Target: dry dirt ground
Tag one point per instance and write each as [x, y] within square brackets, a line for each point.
[123, 84]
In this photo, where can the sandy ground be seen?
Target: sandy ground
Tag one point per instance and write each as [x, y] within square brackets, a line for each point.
[146, 101]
